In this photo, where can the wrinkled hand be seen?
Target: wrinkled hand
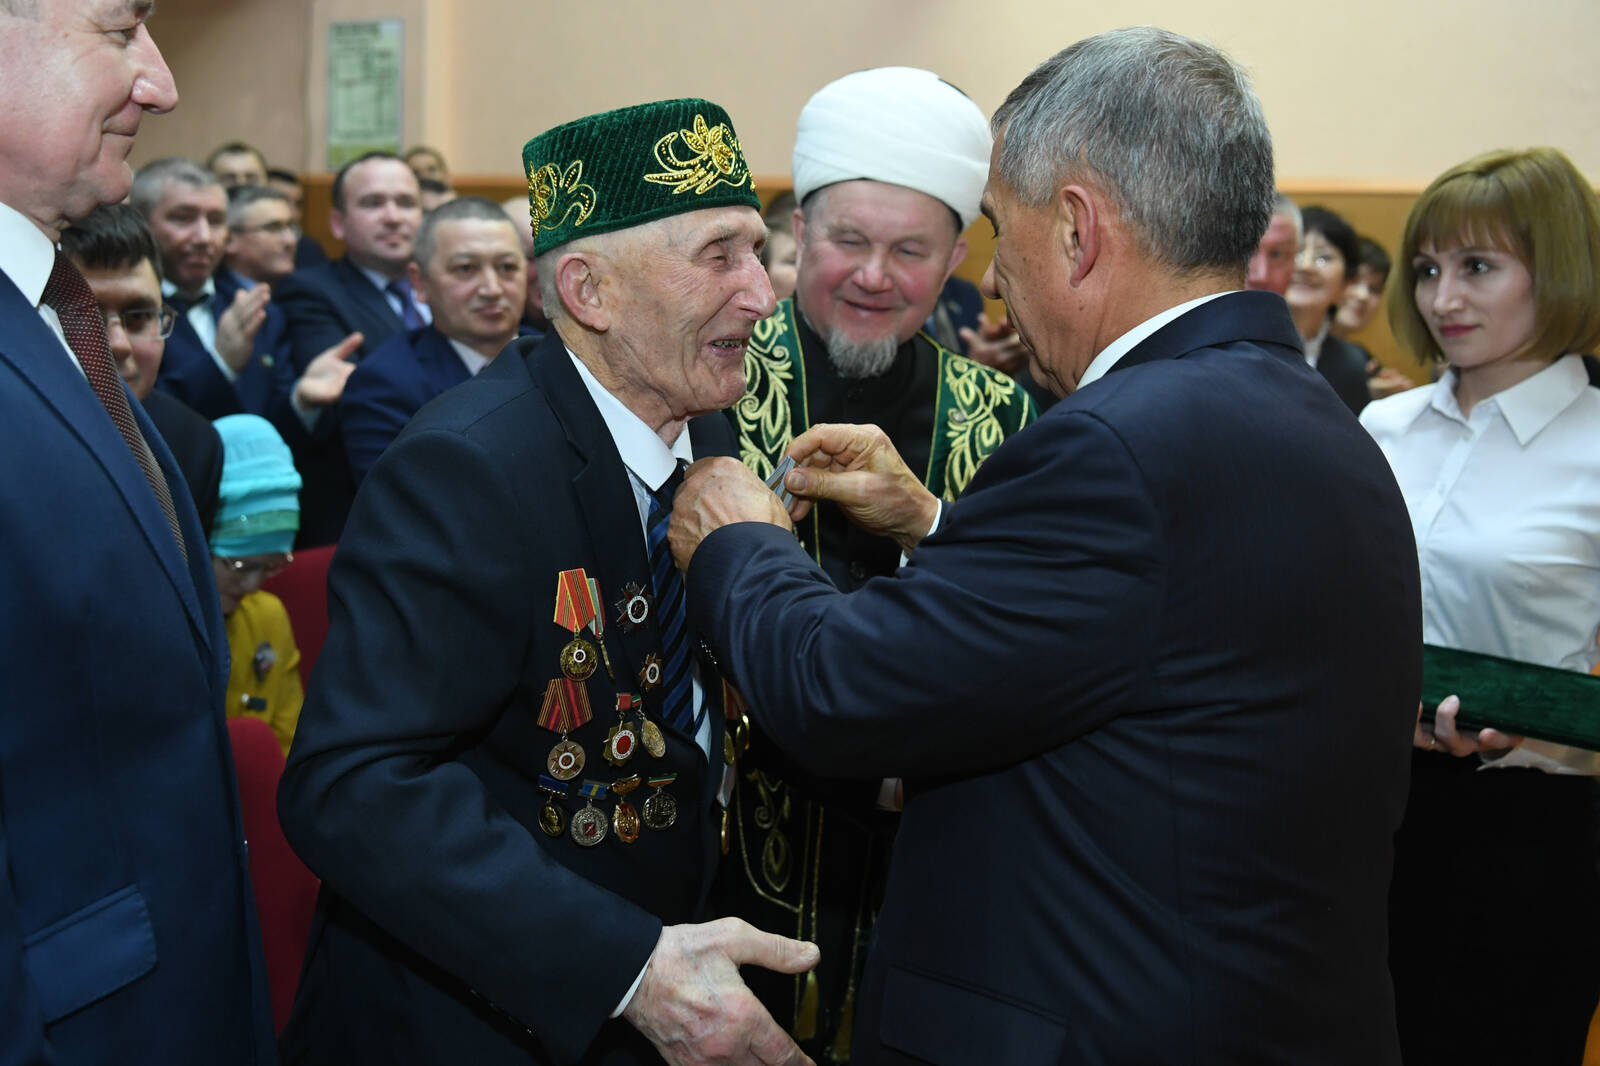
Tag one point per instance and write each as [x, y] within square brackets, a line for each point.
[718, 492]
[237, 328]
[323, 382]
[1386, 380]
[858, 468]
[995, 344]
[691, 1003]
[1442, 735]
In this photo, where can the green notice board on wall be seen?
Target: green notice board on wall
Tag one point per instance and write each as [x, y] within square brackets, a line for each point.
[366, 84]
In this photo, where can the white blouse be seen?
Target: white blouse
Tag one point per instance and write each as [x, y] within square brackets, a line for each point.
[1505, 506]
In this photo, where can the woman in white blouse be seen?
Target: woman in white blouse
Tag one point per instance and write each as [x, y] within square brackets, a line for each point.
[1495, 906]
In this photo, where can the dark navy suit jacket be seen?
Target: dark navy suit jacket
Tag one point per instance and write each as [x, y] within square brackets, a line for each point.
[390, 386]
[1343, 365]
[450, 927]
[1152, 685]
[196, 447]
[325, 304]
[190, 374]
[127, 925]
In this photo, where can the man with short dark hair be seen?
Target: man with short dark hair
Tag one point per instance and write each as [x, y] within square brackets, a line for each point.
[118, 257]
[127, 923]
[376, 212]
[515, 819]
[1152, 679]
[237, 163]
[470, 271]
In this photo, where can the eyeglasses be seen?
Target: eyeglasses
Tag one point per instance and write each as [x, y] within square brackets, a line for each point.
[143, 323]
[271, 229]
[252, 567]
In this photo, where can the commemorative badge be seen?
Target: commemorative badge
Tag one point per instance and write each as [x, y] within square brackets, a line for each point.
[575, 609]
[625, 819]
[565, 708]
[622, 739]
[634, 607]
[552, 816]
[589, 824]
[660, 809]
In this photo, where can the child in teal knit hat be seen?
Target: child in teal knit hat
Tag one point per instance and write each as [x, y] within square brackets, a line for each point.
[258, 512]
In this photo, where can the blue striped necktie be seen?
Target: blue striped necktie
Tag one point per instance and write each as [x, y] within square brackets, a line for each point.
[676, 680]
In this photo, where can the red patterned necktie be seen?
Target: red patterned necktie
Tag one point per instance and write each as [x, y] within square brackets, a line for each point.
[69, 295]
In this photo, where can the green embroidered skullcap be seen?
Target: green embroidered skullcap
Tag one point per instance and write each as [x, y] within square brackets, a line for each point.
[634, 165]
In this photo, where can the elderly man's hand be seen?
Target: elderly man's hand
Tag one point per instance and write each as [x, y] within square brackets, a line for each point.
[718, 492]
[995, 344]
[858, 468]
[692, 1005]
[1442, 734]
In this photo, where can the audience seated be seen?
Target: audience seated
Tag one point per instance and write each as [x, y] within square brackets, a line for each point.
[1360, 305]
[117, 255]
[258, 511]
[225, 354]
[260, 246]
[364, 295]
[1325, 265]
[470, 271]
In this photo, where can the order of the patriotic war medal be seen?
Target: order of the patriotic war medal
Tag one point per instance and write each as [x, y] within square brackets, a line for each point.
[634, 607]
[566, 760]
[578, 659]
[589, 824]
[650, 672]
[625, 819]
[660, 809]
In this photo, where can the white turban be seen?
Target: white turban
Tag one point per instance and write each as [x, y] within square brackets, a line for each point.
[897, 125]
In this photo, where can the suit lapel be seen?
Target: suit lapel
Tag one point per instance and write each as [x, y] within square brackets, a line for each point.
[371, 304]
[1251, 316]
[36, 354]
[441, 367]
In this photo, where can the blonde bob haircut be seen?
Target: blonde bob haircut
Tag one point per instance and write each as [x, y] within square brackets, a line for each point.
[1533, 204]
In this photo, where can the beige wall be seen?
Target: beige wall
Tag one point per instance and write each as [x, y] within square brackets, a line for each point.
[1376, 91]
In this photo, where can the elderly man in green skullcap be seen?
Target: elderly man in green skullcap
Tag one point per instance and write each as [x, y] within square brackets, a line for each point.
[509, 762]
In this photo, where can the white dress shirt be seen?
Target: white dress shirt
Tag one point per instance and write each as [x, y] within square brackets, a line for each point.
[1505, 505]
[381, 283]
[470, 357]
[27, 257]
[204, 323]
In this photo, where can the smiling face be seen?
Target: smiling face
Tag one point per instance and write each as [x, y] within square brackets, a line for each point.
[382, 209]
[1317, 284]
[77, 80]
[1477, 301]
[1361, 299]
[873, 258]
[475, 282]
[190, 223]
[681, 297]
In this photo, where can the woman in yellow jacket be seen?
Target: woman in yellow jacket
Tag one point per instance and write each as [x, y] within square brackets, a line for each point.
[258, 512]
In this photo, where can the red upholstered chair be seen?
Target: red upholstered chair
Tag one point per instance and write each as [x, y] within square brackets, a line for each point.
[303, 588]
[286, 892]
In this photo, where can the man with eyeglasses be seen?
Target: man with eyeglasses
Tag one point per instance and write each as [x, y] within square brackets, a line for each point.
[118, 256]
[261, 237]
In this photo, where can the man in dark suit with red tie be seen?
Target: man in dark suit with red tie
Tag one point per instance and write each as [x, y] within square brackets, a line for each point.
[127, 925]
[1151, 680]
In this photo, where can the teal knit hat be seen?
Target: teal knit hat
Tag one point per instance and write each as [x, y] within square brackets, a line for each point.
[631, 166]
[258, 504]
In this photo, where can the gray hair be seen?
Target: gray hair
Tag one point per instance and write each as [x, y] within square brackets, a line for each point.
[242, 196]
[1282, 205]
[150, 184]
[1170, 126]
[460, 209]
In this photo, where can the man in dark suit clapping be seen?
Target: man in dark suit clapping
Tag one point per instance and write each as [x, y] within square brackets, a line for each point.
[1151, 680]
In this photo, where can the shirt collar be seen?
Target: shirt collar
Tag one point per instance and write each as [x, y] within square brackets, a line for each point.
[207, 291]
[26, 254]
[1529, 405]
[380, 281]
[643, 452]
[473, 359]
[1111, 353]
[1313, 346]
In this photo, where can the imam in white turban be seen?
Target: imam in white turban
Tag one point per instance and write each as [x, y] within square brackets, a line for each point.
[898, 125]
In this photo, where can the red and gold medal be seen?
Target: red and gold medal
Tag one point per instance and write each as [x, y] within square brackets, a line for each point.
[625, 819]
[565, 708]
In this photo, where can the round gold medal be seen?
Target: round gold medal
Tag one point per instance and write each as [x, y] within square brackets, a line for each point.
[625, 820]
[660, 810]
[650, 736]
[578, 659]
[565, 761]
[551, 819]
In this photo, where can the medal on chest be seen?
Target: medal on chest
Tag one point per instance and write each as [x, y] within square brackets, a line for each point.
[565, 708]
[553, 815]
[625, 819]
[589, 824]
[660, 809]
